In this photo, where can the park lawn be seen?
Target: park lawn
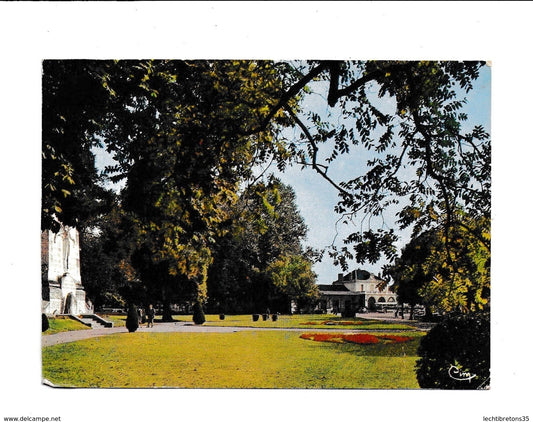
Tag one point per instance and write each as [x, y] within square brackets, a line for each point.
[302, 321]
[60, 324]
[117, 320]
[247, 359]
[284, 321]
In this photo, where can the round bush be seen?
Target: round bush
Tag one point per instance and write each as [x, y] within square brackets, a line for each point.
[198, 315]
[132, 320]
[255, 317]
[222, 317]
[274, 317]
[455, 354]
[45, 323]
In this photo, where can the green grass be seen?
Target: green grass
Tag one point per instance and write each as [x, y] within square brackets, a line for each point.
[257, 359]
[284, 321]
[59, 325]
[117, 320]
[300, 321]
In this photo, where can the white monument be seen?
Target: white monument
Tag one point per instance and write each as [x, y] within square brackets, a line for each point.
[60, 260]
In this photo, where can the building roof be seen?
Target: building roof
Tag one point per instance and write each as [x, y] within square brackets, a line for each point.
[336, 290]
[358, 275]
[333, 288]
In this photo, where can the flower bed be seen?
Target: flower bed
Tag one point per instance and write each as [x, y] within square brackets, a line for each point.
[395, 338]
[361, 338]
[355, 338]
[332, 338]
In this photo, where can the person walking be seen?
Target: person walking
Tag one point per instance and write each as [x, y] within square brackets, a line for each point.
[150, 315]
[142, 316]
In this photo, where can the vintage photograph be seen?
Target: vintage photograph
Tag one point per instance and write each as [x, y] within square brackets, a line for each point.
[266, 224]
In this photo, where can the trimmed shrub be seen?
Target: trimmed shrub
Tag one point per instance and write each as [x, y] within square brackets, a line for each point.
[455, 354]
[274, 317]
[255, 317]
[132, 320]
[198, 315]
[222, 317]
[265, 317]
[45, 323]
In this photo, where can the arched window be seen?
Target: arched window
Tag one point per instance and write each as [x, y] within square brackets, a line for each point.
[372, 303]
[391, 299]
[381, 300]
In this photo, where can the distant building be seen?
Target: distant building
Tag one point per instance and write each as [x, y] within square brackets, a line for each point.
[356, 290]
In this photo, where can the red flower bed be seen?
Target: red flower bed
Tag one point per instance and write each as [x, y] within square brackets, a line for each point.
[361, 338]
[340, 338]
[322, 337]
[354, 338]
[395, 338]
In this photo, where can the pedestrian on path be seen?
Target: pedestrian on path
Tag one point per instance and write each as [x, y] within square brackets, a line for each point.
[150, 315]
[142, 316]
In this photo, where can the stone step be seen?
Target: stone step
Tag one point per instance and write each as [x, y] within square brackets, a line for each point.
[92, 321]
[93, 324]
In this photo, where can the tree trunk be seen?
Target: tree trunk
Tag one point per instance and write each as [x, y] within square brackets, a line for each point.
[167, 312]
[429, 314]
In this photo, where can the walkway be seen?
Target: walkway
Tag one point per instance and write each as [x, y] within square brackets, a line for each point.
[175, 327]
[164, 327]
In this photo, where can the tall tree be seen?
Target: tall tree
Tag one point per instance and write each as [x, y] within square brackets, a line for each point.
[447, 275]
[294, 279]
[267, 229]
[105, 257]
[179, 133]
[73, 102]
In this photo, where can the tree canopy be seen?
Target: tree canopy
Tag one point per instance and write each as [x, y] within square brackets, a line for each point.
[73, 99]
[186, 136]
[179, 135]
[266, 235]
[423, 161]
[446, 277]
